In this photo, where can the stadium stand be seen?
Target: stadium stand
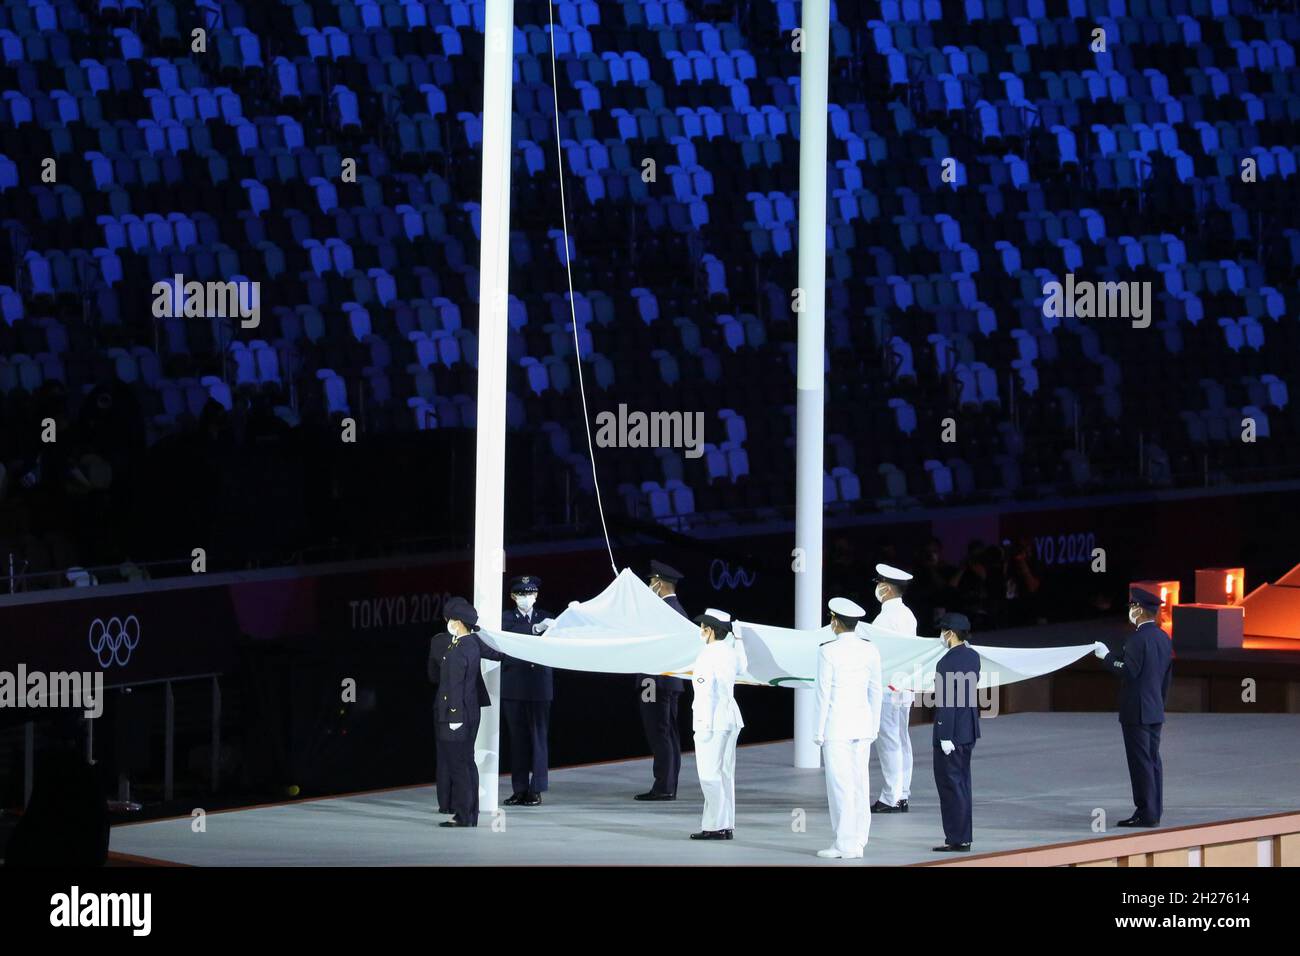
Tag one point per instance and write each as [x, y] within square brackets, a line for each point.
[979, 149]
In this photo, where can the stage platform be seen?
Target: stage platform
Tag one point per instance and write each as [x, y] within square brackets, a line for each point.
[1037, 779]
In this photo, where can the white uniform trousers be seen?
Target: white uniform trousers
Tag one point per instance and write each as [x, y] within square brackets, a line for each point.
[848, 789]
[715, 760]
[894, 747]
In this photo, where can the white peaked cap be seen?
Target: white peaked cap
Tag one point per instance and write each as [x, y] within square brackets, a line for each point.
[891, 573]
[717, 615]
[843, 607]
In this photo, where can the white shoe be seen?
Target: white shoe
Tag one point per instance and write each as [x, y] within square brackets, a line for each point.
[853, 856]
[831, 854]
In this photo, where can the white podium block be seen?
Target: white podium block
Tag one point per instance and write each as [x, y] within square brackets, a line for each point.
[1208, 627]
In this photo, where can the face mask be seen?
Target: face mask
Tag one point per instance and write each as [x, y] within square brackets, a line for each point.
[525, 602]
[1133, 613]
[881, 593]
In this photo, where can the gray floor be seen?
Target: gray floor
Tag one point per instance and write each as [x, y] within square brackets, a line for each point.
[1037, 780]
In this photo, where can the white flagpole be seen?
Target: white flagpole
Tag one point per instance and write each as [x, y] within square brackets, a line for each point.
[490, 454]
[810, 409]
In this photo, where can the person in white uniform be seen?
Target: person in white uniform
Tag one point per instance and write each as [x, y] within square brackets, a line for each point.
[717, 723]
[894, 745]
[849, 688]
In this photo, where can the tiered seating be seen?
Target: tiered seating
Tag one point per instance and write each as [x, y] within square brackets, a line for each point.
[979, 149]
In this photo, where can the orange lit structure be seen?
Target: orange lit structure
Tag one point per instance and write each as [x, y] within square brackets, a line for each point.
[1273, 614]
[1220, 586]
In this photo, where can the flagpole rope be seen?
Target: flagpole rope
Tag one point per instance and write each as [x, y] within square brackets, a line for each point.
[568, 270]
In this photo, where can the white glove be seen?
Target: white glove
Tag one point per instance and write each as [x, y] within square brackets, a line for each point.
[1101, 650]
[457, 726]
[542, 626]
[947, 746]
[704, 736]
[818, 741]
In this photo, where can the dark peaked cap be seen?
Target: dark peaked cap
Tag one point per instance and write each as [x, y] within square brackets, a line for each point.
[666, 571]
[458, 609]
[952, 621]
[1144, 599]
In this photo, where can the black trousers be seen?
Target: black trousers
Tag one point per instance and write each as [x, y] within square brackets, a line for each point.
[659, 718]
[529, 722]
[1145, 771]
[457, 772]
[952, 780]
[443, 780]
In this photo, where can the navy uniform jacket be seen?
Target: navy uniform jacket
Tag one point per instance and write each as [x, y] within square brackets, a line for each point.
[1146, 670]
[957, 712]
[668, 685]
[524, 680]
[460, 692]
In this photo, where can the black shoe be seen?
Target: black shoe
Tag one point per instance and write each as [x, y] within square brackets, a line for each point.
[712, 835]
[652, 795]
[1136, 821]
[730, 834]
[452, 823]
[530, 800]
[879, 807]
[513, 800]
[444, 811]
[902, 806]
[953, 848]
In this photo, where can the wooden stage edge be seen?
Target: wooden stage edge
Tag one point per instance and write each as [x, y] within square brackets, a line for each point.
[1271, 840]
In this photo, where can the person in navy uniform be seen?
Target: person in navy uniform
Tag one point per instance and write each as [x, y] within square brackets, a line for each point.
[526, 693]
[459, 696]
[956, 728]
[1145, 669]
[658, 697]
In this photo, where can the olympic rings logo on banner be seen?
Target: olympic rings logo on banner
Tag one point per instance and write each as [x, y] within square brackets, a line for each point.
[112, 641]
